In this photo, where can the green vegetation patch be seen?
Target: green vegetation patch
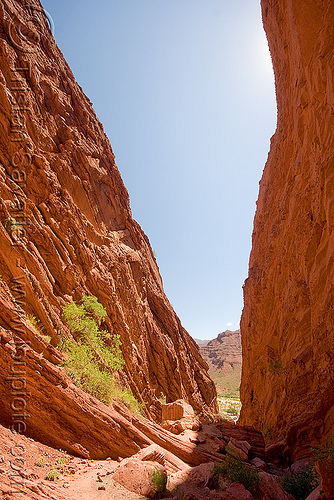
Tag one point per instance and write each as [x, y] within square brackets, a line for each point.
[93, 354]
[60, 462]
[33, 323]
[325, 451]
[232, 406]
[228, 384]
[234, 469]
[52, 475]
[13, 226]
[159, 479]
[300, 484]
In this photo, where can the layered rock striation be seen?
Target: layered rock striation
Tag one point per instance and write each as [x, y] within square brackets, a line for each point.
[287, 322]
[66, 230]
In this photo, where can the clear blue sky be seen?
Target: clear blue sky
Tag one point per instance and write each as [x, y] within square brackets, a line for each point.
[184, 89]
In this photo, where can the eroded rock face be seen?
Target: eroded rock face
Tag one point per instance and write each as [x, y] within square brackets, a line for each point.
[287, 323]
[66, 226]
[38, 399]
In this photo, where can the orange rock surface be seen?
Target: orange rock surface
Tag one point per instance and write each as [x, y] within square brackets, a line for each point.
[287, 386]
[66, 230]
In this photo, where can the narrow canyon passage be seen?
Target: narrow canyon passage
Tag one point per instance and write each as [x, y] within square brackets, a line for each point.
[80, 291]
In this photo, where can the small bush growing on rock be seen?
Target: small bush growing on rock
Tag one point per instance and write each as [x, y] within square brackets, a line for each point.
[91, 360]
[51, 475]
[300, 484]
[325, 451]
[208, 417]
[33, 323]
[60, 462]
[276, 367]
[40, 462]
[235, 470]
[13, 226]
[231, 410]
[266, 431]
[159, 479]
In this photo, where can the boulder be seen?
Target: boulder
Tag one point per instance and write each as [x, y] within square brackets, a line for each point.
[194, 480]
[244, 446]
[178, 417]
[201, 474]
[139, 476]
[237, 491]
[244, 433]
[217, 445]
[259, 464]
[155, 453]
[177, 410]
[316, 494]
[234, 451]
[300, 466]
[270, 489]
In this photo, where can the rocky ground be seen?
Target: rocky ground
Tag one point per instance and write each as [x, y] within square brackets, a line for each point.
[34, 471]
[73, 477]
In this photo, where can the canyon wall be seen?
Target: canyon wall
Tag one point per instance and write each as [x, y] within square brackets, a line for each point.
[287, 385]
[66, 230]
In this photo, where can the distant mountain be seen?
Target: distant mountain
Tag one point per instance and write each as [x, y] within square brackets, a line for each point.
[224, 357]
[201, 342]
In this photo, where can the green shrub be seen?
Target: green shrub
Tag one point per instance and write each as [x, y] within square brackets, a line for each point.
[276, 367]
[51, 475]
[84, 321]
[33, 323]
[13, 226]
[60, 462]
[234, 469]
[325, 451]
[125, 396]
[40, 462]
[231, 406]
[94, 354]
[231, 393]
[231, 410]
[159, 479]
[300, 484]
[266, 431]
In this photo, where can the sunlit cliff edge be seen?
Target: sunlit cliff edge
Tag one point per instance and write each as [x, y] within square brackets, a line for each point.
[287, 386]
[66, 230]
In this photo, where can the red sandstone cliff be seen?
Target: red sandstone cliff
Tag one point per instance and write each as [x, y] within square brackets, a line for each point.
[66, 230]
[287, 324]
